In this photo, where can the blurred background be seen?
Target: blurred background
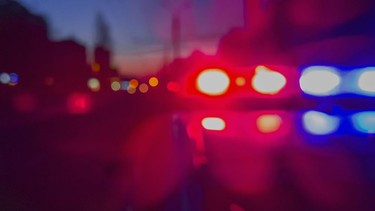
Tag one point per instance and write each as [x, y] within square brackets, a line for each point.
[187, 105]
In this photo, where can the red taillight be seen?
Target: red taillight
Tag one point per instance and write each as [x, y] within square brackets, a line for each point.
[213, 82]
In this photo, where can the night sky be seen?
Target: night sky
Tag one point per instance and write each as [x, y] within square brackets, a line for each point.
[140, 29]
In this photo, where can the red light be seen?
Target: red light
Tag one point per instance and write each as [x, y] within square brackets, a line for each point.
[173, 87]
[213, 82]
[79, 103]
[213, 123]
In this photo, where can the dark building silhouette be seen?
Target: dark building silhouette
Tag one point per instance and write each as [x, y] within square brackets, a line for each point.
[46, 66]
[102, 65]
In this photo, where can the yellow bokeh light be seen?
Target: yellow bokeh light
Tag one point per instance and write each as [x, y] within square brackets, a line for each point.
[93, 84]
[268, 123]
[153, 81]
[240, 81]
[115, 85]
[133, 83]
[143, 88]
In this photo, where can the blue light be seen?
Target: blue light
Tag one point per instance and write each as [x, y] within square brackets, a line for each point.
[364, 122]
[320, 81]
[366, 81]
[13, 78]
[319, 123]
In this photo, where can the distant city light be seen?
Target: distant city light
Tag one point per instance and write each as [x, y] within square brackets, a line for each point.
[319, 123]
[95, 67]
[213, 82]
[173, 86]
[132, 90]
[320, 81]
[366, 81]
[268, 123]
[4, 78]
[266, 81]
[93, 84]
[143, 88]
[125, 85]
[240, 81]
[134, 83]
[153, 81]
[364, 122]
[13, 79]
[213, 123]
[115, 85]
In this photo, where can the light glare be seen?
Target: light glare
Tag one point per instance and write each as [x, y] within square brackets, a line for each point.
[213, 82]
[213, 123]
[366, 81]
[364, 122]
[320, 81]
[267, 81]
[319, 123]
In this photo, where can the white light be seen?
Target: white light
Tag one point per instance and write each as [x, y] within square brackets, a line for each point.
[93, 84]
[364, 122]
[267, 81]
[213, 123]
[320, 81]
[366, 81]
[4, 78]
[318, 123]
[213, 82]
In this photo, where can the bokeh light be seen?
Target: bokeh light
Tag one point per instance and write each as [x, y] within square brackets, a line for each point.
[125, 85]
[93, 84]
[13, 79]
[132, 90]
[266, 81]
[213, 123]
[4, 78]
[79, 103]
[319, 123]
[268, 123]
[153, 81]
[364, 122]
[143, 88]
[115, 85]
[366, 81]
[320, 81]
[240, 81]
[133, 83]
[173, 86]
[213, 82]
